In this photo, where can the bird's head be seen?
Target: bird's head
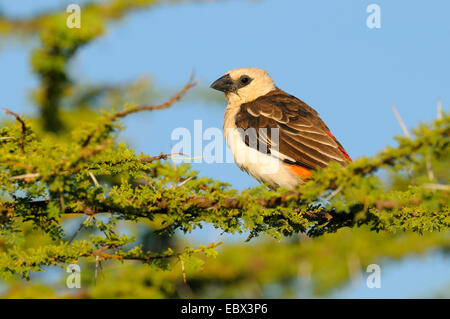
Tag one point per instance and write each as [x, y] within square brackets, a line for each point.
[244, 84]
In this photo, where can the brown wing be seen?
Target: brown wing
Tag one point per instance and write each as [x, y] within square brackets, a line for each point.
[303, 138]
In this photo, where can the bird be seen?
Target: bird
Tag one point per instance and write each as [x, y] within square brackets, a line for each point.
[274, 136]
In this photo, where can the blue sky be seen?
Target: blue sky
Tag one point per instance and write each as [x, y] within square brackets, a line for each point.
[320, 51]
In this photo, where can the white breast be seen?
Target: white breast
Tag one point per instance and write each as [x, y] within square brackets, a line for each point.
[264, 167]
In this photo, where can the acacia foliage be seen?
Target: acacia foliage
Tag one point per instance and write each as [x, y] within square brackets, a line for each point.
[295, 267]
[43, 181]
[48, 179]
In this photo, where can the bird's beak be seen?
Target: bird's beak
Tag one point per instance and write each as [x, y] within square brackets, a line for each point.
[224, 84]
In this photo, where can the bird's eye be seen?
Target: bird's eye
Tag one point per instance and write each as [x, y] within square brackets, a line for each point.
[244, 80]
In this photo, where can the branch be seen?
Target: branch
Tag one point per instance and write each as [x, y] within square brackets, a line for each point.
[24, 127]
[191, 83]
[149, 159]
[121, 114]
[205, 204]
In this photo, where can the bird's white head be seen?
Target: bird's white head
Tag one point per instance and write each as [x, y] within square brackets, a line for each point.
[244, 85]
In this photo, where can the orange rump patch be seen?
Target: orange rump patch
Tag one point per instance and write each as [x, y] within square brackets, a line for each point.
[300, 171]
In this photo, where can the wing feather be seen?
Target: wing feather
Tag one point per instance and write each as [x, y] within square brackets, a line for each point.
[303, 139]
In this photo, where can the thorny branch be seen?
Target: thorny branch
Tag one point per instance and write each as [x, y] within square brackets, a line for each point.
[88, 152]
[204, 203]
[24, 128]
[120, 114]
[191, 83]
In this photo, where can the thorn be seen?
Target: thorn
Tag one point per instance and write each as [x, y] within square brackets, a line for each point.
[25, 176]
[400, 121]
[437, 187]
[97, 263]
[94, 179]
[334, 193]
[429, 168]
[439, 110]
[79, 229]
[186, 180]
[183, 270]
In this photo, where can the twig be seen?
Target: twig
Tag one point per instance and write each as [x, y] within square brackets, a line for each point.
[114, 117]
[177, 255]
[103, 256]
[85, 153]
[150, 159]
[191, 83]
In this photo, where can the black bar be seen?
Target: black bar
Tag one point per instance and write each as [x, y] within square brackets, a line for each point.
[220, 308]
